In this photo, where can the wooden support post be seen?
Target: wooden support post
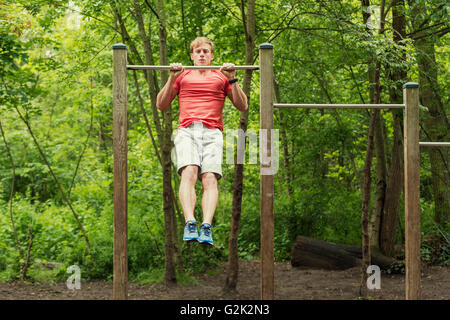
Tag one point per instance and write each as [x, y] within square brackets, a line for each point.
[412, 191]
[266, 186]
[120, 285]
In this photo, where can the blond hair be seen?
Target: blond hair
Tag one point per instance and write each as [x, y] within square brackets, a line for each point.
[199, 41]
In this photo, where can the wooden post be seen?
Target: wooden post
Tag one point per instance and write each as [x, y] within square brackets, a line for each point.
[412, 192]
[120, 282]
[266, 186]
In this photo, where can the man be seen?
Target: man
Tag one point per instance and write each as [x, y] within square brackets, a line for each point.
[199, 142]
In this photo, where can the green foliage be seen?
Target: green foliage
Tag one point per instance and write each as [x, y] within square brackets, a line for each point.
[395, 268]
[198, 258]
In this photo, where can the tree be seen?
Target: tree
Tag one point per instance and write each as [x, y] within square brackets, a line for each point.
[426, 32]
[248, 19]
[385, 240]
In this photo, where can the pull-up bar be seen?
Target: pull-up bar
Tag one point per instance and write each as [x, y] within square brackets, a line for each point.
[339, 106]
[161, 68]
[434, 144]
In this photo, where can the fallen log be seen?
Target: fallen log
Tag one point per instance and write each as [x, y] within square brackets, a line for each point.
[313, 253]
[47, 264]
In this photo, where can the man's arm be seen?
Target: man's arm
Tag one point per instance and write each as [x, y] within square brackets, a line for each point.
[236, 95]
[168, 92]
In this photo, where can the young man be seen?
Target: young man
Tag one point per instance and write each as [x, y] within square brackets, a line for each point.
[199, 142]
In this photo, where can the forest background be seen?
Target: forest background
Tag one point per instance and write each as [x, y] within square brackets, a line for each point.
[56, 161]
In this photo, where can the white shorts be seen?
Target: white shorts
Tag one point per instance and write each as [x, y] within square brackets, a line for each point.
[200, 146]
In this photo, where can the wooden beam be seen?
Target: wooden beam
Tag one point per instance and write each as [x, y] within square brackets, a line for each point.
[339, 106]
[266, 186]
[412, 191]
[120, 251]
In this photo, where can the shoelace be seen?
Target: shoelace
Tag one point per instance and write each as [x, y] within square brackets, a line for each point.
[192, 227]
[206, 230]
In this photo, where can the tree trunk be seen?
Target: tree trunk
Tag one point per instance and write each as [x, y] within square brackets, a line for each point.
[375, 98]
[233, 263]
[283, 126]
[27, 259]
[163, 131]
[373, 69]
[389, 220]
[171, 247]
[380, 191]
[365, 205]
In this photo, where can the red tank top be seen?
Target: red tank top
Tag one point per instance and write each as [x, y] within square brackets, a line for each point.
[201, 98]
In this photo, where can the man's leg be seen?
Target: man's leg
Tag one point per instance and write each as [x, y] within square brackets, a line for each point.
[187, 191]
[210, 196]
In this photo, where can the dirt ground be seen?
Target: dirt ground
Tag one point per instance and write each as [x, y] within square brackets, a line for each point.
[290, 284]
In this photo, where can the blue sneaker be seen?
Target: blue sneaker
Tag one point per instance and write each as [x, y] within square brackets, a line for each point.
[190, 231]
[206, 234]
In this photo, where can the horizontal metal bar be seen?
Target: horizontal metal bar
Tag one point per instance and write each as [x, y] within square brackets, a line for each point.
[434, 144]
[339, 106]
[149, 67]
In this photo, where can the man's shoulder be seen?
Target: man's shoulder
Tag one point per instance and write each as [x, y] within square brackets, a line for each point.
[182, 76]
[220, 74]
[185, 73]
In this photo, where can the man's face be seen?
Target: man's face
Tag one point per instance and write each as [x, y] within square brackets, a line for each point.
[202, 55]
